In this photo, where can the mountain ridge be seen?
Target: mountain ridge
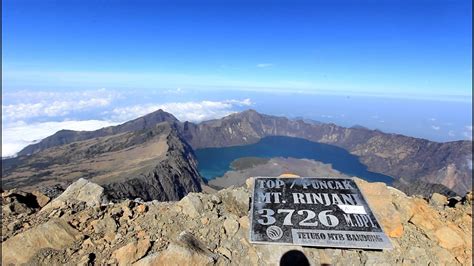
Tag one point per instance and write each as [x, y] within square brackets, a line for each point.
[151, 163]
[395, 155]
[67, 136]
[402, 157]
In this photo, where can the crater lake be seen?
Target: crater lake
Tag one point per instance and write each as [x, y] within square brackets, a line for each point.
[215, 162]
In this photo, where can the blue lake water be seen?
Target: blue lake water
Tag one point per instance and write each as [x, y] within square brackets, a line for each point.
[214, 162]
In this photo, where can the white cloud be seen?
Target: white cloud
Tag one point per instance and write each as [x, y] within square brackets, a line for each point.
[174, 91]
[18, 135]
[153, 80]
[327, 116]
[468, 134]
[451, 133]
[51, 109]
[435, 127]
[263, 65]
[37, 96]
[30, 104]
[184, 111]
[244, 102]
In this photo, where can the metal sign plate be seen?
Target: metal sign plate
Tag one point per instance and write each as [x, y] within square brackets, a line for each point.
[309, 211]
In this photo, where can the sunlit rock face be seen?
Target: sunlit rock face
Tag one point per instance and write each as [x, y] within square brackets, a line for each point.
[151, 163]
[213, 229]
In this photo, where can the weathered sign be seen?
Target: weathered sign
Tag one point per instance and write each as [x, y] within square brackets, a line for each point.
[329, 212]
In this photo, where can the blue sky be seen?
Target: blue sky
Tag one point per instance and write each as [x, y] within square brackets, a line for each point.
[352, 47]
[398, 66]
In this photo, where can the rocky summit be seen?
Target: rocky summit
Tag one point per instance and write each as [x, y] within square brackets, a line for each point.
[84, 227]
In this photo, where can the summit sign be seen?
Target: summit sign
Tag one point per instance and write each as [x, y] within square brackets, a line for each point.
[323, 212]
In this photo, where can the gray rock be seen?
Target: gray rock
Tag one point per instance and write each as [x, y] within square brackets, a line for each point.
[191, 205]
[131, 252]
[17, 208]
[437, 200]
[83, 191]
[55, 234]
[107, 227]
[188, 251]
[13, 225]
[376, 258]
[235, 200]
[231, 225]
[176, 255]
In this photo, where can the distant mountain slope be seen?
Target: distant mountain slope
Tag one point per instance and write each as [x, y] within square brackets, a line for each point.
[396, 155]
[399, 156]
[151, 162]
[67, 136]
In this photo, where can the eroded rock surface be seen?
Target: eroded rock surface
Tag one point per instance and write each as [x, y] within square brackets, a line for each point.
[82, 191]
[144, 159]
[212, 229]
[54, 234]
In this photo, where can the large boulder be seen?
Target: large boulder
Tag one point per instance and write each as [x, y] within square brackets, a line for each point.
[448, 238]
[41, 199]
[187, 251]
[379, 199]
[235, 200]
[132, 252]
[55, 234]
[191, 205]
[438, 201]
[83, 191]
[176, 255]
[17, 202]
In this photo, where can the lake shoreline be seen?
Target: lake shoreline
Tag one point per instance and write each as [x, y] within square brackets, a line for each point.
[216, 162]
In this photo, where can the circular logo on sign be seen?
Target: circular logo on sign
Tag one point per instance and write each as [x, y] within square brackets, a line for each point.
[274, 232]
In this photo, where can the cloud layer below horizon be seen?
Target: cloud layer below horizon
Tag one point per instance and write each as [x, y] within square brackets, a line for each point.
[28, 117]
